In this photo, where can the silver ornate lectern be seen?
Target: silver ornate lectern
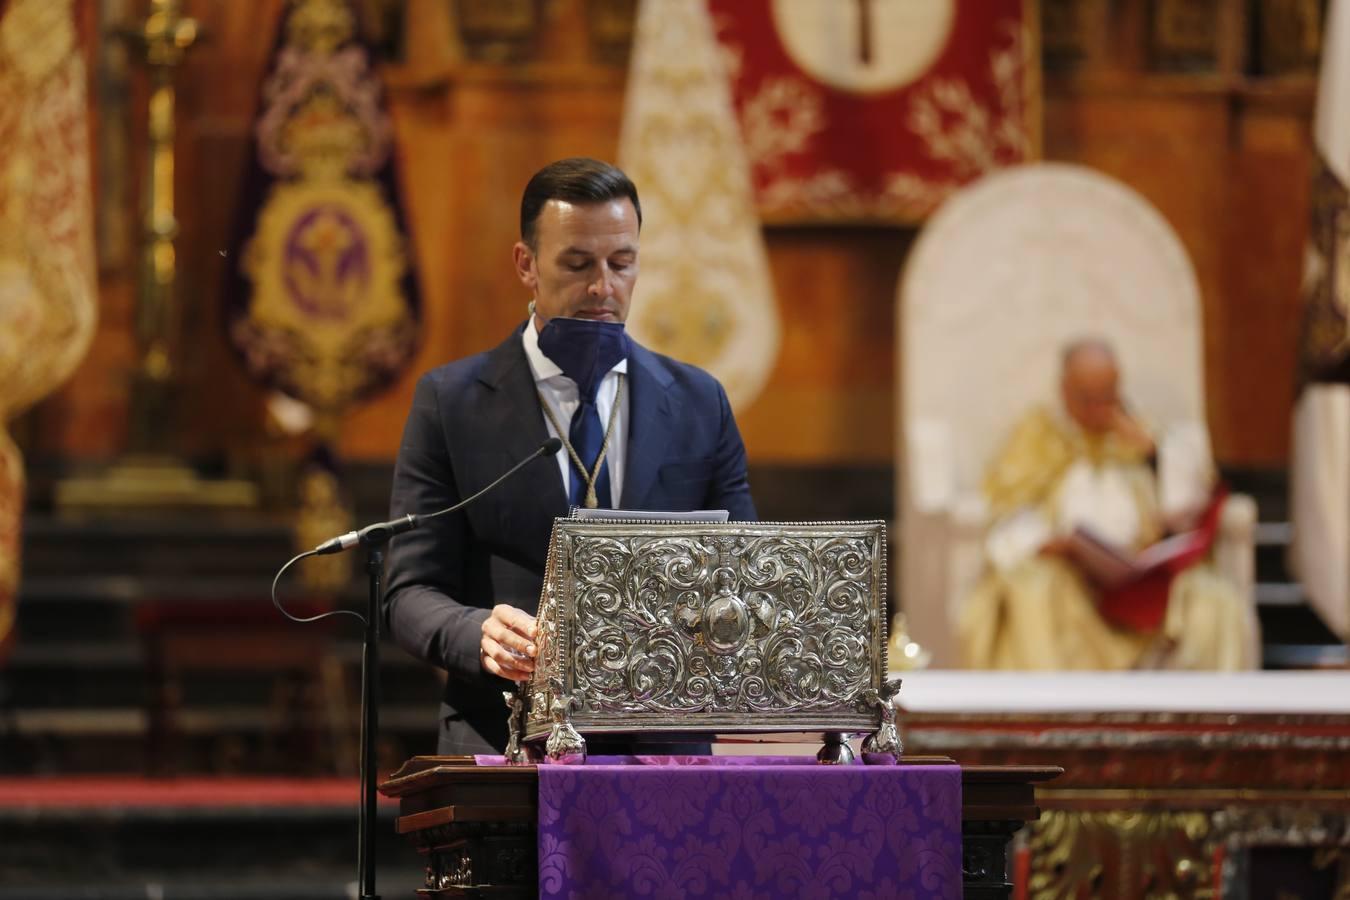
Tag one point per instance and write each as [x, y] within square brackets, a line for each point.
[677, 627]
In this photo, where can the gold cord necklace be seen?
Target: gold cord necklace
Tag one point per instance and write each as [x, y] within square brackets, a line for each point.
[591, 501]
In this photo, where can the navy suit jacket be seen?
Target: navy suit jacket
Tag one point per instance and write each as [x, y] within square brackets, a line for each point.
[470, 421]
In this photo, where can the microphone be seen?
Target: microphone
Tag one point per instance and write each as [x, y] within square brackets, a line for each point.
[380, 533]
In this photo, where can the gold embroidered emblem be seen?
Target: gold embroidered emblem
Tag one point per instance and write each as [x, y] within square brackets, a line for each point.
[330, 318]
[326, 263]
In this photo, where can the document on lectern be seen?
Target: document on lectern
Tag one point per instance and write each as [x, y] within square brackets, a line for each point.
[651, 515]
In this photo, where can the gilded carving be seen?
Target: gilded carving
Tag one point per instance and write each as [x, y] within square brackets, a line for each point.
[1119, 854]
[322, 513]
[1064, 27]
[320, 26]
[1153, 750]
[116, 229]
[611, 23]
[449, 869]
[498, 31]
[1151, 803]
[1323, 835]
[1289, 36]
[12, 493]
[1186, 31]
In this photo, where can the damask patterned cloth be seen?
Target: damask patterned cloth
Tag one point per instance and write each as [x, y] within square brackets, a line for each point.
[748, 827]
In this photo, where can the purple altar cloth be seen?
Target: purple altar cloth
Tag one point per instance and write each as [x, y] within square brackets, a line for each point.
[748, 827]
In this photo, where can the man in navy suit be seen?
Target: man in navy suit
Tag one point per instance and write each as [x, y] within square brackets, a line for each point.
[640, 431]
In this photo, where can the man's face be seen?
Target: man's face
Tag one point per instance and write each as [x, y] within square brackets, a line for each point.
[585, 260]
[1090, 387]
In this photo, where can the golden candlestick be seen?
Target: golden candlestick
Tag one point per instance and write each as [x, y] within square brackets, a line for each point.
[163, 40]
[152, 477]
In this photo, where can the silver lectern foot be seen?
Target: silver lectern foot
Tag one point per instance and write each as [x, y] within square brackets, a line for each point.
[836, 751]
[565, 745]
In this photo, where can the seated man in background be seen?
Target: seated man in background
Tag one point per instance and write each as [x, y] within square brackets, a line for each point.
[1074, 497]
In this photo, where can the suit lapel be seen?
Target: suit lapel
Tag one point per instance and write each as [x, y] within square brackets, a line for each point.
[514, 425]
[652, 412]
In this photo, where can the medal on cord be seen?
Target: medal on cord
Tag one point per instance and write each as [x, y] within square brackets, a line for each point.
[591, 500]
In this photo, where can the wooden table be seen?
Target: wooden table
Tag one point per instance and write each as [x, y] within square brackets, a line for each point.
[476, 825]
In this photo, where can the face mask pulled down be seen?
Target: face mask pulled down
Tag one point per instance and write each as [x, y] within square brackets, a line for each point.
[584, 349]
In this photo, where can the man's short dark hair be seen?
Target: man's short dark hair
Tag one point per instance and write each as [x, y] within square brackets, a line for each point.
[578, 179]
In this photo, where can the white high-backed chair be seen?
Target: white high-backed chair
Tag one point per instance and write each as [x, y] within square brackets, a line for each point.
[1005, 274]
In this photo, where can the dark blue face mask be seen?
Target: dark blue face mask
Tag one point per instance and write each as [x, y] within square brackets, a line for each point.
[584, 349]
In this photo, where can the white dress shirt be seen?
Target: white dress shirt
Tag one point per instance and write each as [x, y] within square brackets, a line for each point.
[563, 398]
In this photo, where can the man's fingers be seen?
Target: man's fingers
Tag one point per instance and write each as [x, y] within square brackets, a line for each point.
[494, 629]
[516, 619]
[500, 661]
[511, 627]
[507, 647]
[505, 656]
[492, 667]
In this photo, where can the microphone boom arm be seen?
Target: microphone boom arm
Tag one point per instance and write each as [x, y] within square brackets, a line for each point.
[380, 533]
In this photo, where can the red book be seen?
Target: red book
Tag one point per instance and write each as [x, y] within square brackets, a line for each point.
[1134, 588]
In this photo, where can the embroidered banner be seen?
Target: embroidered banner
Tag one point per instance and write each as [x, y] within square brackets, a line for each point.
[1325, 352]
[1319, 473]
[705, 295]
[322, 301]
[876, 110]
[48, 300]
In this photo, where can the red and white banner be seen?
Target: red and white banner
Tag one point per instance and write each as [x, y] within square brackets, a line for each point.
[876, 110]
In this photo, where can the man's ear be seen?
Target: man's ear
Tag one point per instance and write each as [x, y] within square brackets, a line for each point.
[526, 270]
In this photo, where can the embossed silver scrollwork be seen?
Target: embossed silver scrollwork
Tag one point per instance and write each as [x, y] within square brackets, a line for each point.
[734, 624]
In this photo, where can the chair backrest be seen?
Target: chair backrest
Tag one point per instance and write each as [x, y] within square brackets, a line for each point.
[1015, 266]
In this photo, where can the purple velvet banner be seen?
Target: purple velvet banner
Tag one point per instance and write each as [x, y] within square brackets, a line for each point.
[748, 827]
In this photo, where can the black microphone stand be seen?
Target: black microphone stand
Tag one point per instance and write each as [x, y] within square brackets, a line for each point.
[370, 726]
[373, 538]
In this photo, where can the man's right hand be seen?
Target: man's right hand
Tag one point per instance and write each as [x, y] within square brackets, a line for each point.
[508, 647]
[1131, 432]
